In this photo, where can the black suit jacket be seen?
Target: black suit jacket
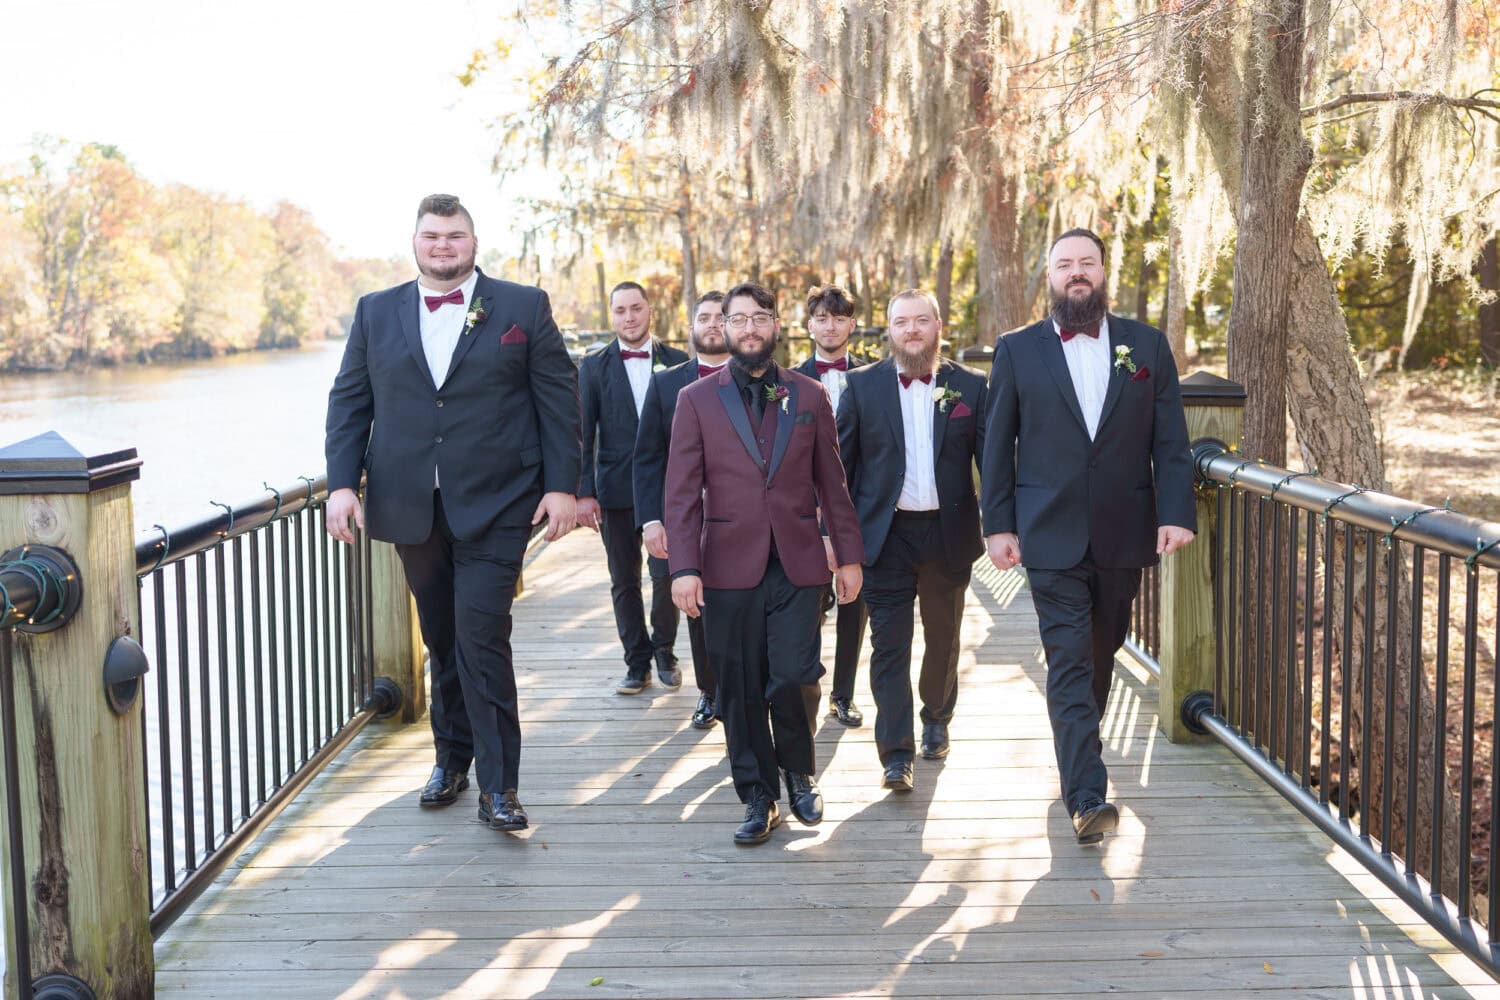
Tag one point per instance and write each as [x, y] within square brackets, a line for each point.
[503, 428]
[653, 439]
[872, 444]
[610, 422]
[1064, 494]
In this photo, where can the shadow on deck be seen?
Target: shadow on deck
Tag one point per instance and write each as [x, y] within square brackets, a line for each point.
[970, 886]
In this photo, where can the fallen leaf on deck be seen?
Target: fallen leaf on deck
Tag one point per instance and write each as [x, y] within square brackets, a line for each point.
[1095, 894]
[1152, 954]
[1267, 967]
[596, 980]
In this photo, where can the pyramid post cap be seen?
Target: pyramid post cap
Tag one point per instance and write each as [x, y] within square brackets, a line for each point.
[52, 463]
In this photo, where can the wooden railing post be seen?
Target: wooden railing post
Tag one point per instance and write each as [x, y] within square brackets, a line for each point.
[398, 648]
[80, 762]
[1214, 408]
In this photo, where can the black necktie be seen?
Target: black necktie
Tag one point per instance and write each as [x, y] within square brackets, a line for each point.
[756, 387]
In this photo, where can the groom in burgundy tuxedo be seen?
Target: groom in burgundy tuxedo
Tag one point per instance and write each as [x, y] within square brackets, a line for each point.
[754, 462]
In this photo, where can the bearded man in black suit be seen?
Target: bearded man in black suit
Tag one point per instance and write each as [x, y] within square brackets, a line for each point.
[457, 403]
[1087, 479]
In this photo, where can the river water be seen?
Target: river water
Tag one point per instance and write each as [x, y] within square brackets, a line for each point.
[205, 430]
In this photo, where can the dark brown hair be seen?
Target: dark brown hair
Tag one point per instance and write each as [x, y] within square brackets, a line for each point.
[445, 206]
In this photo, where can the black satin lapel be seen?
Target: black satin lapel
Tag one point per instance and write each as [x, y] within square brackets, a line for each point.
[406, 309]
[1050, 347]
[1117, 375]
[784, 423]
[729, 395]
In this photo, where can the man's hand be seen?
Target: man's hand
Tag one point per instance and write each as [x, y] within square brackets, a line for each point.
[1004, 550]
[561, 512]
[342, 505]
[850, 579]
[588, 513]
[833, 560]
[1170, 538]
[656, 539]
[687, 594]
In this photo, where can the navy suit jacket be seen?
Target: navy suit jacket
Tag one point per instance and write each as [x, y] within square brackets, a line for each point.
[653, 439]
[610, 422]
[872, 444]
[1064, 494]
[503, 428]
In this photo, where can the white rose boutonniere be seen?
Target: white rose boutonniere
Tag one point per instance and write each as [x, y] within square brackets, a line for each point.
[476, 315]
[1123, 360]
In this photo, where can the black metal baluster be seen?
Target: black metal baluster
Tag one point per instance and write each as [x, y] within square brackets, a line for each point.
[1388, 741]
[1220, 597]
[1309, 582]
[164, 732]
[1325, 773]
[226, 758]
[1440, 725]
[1274, 606]
[1290, 656]
[140, 616]
[367, 673]
[1368, 793]
[314, 661]
[1493, 924]
[1241, 673]
[1257, 590]
[241, 679]
[330, 675]
[1413, 700]
[205, 700]
[1466, 755]
[273, 674]
[1346, 666]
[185, 706]
[288, 667]
[299, 551]
[258, 668]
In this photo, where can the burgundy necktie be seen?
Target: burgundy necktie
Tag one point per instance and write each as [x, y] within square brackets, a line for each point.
[841, 365]
[708, 370]
[1067, 335]
[907, 380]
[627, 355]
[433, 301]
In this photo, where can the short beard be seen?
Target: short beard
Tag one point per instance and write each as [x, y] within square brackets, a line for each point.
[1071, 314]
[756, 360]
[696, 340]
[446, 273]
[918, 362]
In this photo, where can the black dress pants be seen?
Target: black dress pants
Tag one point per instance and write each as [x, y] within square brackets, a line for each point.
[622, 553]
[1084, 615]
[849, 636]
[464, 591]
[913, 570]
[764, 644]
[704, 675]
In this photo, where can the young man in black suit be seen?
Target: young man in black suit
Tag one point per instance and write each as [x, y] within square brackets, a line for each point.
[612, 384]
[652, 445]
[830, 322]
[457, 403]
[1087, 479]
[911, 432]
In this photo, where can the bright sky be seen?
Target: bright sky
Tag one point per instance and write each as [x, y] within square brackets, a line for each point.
[349, 109]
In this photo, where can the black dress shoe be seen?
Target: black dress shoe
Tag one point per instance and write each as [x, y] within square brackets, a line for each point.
[633, 684]
[806, 801]
[1094, 819]
[899, 776]
[502, 810]
[443, 787]
[667, 672]
[761, 817]
[843, 709]
[934, 741]
[707, 713]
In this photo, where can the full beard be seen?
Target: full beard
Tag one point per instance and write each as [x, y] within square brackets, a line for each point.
[753, 360]
[916, 360]
[1076, 314]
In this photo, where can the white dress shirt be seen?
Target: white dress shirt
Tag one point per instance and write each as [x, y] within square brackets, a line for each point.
[1089, 366]
[833, 380]
[919, 486]
[441, 330]
[638, 371]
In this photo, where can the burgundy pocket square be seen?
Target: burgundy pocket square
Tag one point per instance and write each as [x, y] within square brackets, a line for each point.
[515, 335]
[960, 410]
[1141, 374]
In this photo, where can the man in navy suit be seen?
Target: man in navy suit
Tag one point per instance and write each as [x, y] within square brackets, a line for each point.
[911, 432]
[612, 384]
[1087, 479]
[830, 323]
[457, 403]
[652, 445]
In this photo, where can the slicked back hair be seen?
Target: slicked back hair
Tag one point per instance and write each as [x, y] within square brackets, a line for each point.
[444, 206]
[758, 293]
[832, 299]
[1086, 233]
[626, 286]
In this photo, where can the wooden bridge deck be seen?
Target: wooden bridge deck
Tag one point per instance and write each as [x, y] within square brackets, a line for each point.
[628, 884]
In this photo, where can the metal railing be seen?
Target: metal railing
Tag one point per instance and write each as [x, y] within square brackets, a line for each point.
[1143, 641]
[1341, 660]
[259, 631]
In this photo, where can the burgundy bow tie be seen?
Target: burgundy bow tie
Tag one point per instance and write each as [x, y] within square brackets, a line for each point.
[433, 301]
[1067, 335]
[907, 380]
[709, 370]
[841, 365]
[627, 355]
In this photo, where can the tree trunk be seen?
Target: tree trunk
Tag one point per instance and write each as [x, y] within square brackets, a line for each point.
[909, 276]
[1174, 310]
[1001, 270]
[1416, 307]
[1489, 313]
[689, 260]
[944, 281]
[603, 296]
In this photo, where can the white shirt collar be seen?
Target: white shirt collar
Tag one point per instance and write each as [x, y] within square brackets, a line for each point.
[1103, 329]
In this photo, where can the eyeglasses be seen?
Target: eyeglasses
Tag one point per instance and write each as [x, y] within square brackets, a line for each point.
[737, 321]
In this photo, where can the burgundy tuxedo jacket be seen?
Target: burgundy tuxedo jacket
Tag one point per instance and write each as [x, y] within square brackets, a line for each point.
[732, 487]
